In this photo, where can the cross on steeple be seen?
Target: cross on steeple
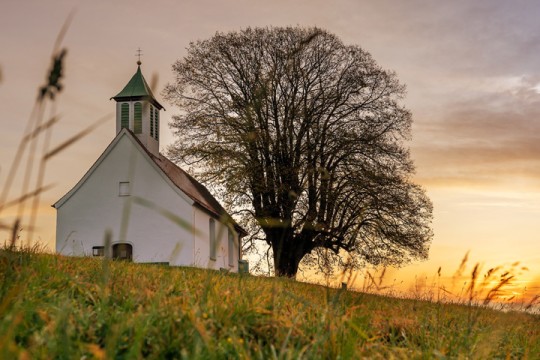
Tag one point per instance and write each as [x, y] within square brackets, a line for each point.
[139, 53]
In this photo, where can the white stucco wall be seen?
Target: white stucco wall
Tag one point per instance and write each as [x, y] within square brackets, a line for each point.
[202, 244]
[96, 207]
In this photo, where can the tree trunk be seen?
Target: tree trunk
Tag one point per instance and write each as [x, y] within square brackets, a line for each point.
[287, 264]
[288, 252]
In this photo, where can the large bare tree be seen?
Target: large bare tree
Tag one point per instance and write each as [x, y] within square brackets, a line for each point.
[307, 135]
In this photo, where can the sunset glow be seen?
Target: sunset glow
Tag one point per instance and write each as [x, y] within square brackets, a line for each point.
[472, 71]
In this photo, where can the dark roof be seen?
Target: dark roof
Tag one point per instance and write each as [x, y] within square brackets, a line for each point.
[191, 187]
[137, 89]
[194, 189]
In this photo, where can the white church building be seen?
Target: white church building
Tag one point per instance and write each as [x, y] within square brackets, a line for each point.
[153, 210]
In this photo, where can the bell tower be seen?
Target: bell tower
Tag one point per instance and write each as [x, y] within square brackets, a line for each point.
[138, 110]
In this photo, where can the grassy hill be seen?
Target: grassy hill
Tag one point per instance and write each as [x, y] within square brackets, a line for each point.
[58, 307]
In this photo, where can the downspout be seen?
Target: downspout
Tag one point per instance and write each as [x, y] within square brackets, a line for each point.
[239, 246]
[193, 230]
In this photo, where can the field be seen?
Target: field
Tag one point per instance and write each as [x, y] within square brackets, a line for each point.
[84, 308]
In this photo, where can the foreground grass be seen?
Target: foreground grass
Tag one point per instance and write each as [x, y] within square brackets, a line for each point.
[58, 307]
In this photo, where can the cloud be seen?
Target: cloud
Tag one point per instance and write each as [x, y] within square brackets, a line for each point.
[489, 139]
[480, 38]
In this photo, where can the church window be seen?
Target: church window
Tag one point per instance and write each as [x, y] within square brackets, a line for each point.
[124, 115]
[156, 124]
[98, 251]
[137, 118]
[122, 251]
[151, 121]
[231, 248]
[123, 189]
[213, 243]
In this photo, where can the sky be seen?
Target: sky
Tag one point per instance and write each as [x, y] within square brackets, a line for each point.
[472, 71]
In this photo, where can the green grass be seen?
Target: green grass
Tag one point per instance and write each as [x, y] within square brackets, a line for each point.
[66, 308]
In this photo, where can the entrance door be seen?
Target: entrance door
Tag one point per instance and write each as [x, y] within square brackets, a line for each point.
[122, 251]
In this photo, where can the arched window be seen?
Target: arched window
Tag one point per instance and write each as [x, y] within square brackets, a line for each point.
[137, 118]
[151, 121]
[122, 251]
[156, 125]
[124, 116]
[213, 243]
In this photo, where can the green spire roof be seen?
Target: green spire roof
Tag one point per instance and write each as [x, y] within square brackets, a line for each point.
[137, 89]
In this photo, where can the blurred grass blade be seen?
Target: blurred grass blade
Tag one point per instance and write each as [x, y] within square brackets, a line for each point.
[55, 74]
[63, 31]
[166, 213]
[76, 137]
[26, 196]
[3, 226]
[41, 128]
[14, 232]
[53, 85]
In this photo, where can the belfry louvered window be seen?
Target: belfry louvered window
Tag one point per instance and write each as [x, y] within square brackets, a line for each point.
[124, 116]
[151, 121]
[137, 118]
[156, 124]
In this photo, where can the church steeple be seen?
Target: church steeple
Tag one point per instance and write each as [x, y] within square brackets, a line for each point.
[138, 110]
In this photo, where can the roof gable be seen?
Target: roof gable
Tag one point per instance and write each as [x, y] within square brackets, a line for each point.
[133, 139]
[189, 188]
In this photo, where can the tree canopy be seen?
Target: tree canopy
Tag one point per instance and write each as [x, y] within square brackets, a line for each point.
[307, 137]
